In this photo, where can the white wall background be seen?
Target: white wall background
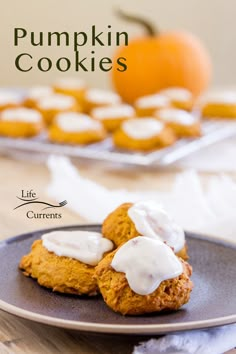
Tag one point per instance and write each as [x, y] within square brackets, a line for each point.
[214, 21]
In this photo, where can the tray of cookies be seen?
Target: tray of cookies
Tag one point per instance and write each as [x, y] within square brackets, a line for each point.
[70, 119]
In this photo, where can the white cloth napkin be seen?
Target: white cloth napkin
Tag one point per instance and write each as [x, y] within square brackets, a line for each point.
[211, 341]
[209, 210]
[215, 158]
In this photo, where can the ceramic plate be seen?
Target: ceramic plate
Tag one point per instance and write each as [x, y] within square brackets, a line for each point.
[213, 300]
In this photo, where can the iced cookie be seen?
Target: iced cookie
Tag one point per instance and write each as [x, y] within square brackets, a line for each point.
[9, 100]
[112, 116]
[76, 128]
[147, 105]
[20, 122]
[179, 97]
[54, 104]
[65, 261]
[183, 123]
[219, 105]
[35, 94]
[71, 86]
[144, 276]
[94, 98]
[143, 134]
[144, 218]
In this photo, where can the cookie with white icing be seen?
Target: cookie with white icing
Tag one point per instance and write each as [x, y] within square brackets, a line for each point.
[183, 123]
[146, 106]
[65, 261]
[20, 122]
[76, 128]
[113, 116]
[143, 134]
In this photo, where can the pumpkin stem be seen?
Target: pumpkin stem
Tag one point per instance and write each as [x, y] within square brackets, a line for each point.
[151, 31]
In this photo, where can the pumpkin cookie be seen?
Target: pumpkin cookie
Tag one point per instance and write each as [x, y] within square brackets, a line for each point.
[184, 124]
[144, 218]
[55, 104]
[147, 105]
[35, 94]
[20, 122]
[76, 128]
[94, 98]
[144, 276]
[219, 105]
[71, 86]
[9, 100]
[65, 261]
[179, 97]
[143, 134]
[113, 116]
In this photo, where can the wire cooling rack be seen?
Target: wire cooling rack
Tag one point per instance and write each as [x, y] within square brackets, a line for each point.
[213, 131]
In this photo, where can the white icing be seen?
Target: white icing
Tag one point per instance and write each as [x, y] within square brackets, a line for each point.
[37, 92]
[151, 220]
[102, 96]
[56, 101]
[176, 115]
[152, 101]
[119, 111]
[70, 83]
[177, 94]
[76, 122]
[21, 115]
[222, 97]
[9, 98]
[85, 246]
[142, 128]
[146, 263]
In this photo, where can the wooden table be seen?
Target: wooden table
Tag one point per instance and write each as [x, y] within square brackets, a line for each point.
[25, 337]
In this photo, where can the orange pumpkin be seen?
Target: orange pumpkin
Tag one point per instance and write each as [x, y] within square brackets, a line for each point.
[156, 62]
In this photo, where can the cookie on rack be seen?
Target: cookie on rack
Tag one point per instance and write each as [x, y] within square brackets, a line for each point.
[143, 134]
[71, 86]
[179, 97]
[221, 104]
[144, 218]
[143, 276]
[35, 93]
[183, 123]
[54, 104]
[65, 261]
[9, 99]
[112, 116]
[20, 122]
[146, 106]
[76, 128]
[94, 98]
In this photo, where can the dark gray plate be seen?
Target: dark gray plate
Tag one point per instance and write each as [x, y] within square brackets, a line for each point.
[213, 300]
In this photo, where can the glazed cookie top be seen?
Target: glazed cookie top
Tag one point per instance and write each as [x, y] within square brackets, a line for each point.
[150, 101]
[9, 98]
[56, 101]
[70, 83]
[222, 97]
[116, 111]
[177, 94]
[38, 92]
[21, 115]
[146, 263]
[76, 122]
[84, 246]
[102, 96]
[175, 115]
[142, 128]
[151, 220]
